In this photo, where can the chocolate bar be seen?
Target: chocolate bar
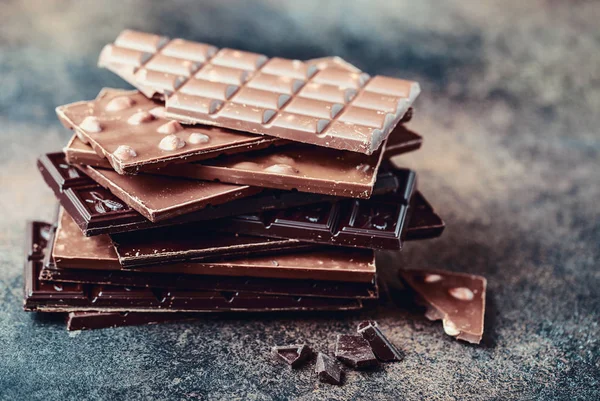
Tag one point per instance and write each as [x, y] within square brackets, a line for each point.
[290, 99]
[376, 223]
[79, 195]
[160, 198]
[296, 166]
[400, 141]
[103, 320]
[72, 250]
[457, 299]
[132, 134]
[70, 297]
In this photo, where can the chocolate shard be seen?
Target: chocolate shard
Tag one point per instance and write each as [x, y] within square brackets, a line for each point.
[381, 346]
[328, 370]
[457, 299]
[294, 355]
[355, 351]
[47, 296]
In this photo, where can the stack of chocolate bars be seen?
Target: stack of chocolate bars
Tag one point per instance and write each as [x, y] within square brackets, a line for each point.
[226, 182]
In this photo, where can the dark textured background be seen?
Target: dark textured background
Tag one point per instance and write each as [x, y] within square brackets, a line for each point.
[509, 112]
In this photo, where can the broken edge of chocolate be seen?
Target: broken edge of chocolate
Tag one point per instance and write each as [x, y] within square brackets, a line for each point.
[294, 355]
[457, 299]
[328, 370]
[383, 349]
[354, 351]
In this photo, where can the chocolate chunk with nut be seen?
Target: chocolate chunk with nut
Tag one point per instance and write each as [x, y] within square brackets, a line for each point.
[457, 299]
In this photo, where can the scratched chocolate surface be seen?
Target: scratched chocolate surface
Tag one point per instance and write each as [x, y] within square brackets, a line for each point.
[98, 211]
[71, 297]
[244, 91]
[131, 132]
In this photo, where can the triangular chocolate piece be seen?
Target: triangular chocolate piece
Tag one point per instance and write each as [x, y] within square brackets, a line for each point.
[457, 299]
[354, 351]
[328, 370]
[381, 346]
[294, 355]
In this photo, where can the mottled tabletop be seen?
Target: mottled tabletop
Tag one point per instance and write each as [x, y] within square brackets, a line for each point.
[511, 160]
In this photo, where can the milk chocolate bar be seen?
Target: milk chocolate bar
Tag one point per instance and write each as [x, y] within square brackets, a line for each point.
[69, 297]
[401, 140]
[457, 299]
[74, 251]
[297, 166]
[132, 134]
[160, 198]
[81, 196]
[290, 99]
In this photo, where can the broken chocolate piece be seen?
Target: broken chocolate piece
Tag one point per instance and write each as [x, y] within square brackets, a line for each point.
[354, 351]
[294, 355]
[327, 370]
[457, 299]
[382, 347]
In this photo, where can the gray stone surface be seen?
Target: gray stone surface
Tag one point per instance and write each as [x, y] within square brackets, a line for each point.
[509, 112]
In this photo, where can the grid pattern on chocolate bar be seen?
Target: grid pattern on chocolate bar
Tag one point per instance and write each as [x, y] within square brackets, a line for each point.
[378, 223]
[332, 107]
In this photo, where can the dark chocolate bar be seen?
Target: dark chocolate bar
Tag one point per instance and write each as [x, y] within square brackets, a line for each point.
[70, 297]
[80, 195]
[290, 99]
[131, 133]
[72, 250]
[376, 223]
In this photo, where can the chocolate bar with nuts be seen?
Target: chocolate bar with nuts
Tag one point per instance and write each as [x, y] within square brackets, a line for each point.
[132, 133]
[314, 103]
[401, 140]
[81, 196]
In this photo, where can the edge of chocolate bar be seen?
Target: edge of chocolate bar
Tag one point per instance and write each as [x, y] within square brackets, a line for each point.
[72, 188]
[69, 297]
[103, 320]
